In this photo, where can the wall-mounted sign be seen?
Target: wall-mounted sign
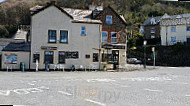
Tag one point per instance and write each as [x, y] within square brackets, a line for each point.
[109, 46]
[48, 48]
[10, 59]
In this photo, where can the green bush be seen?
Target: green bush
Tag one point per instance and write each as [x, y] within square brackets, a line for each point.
[3, 32]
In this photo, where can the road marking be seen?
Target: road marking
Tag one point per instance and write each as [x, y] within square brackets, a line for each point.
[187, 95]
[5, 93]
[151, 90]
[65, 93]
[30, 84]
[100, 80]
[95, 102]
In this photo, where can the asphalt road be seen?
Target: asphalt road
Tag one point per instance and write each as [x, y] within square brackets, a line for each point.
[159, 87]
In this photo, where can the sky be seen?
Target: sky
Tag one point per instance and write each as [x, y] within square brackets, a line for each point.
[1, 0]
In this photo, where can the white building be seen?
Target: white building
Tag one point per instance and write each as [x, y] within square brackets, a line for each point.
[64, 36]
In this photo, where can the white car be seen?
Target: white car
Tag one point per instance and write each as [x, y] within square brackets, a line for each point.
[134, 61]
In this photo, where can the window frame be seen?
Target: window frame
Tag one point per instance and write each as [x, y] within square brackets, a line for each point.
[59, 58]
[173, 28]
[106, 38]
[49, 36]
[153, 30]
[109, 20]
[114, 37]
[83, 31]
[52, 58]
[67, 36]
[175, 40]
[187, 27]
[94, 58]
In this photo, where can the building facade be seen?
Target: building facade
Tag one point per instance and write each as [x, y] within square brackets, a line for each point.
[171, 29]
[64, 36]
[113, 39]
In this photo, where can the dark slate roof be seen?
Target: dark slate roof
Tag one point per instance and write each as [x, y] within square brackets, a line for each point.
[23, 46]
[6, 41]
[147, 21]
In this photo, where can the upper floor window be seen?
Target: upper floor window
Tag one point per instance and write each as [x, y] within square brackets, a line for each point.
[173, 29]
[109, 19]
[113, 37]
[188, 28]
[104, 36]
[83, 31]
[52, 36]
[63, 36]
[152, 30]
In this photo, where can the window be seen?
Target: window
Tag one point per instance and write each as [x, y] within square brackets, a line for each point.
[63, 36]
[62, 57]
[72, 55]
[52, 36]
[188, 28]
[36, 57]
[48, 57]
[113, 37]
[173, 29]
[106, 57]
[95, 57]
[83, 31]
[108, 19]
[173, 40]
[152, 30]
[152, 36]
[104, 36]
[87, 56]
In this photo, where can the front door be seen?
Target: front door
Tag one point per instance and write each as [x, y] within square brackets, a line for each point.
[115, 54]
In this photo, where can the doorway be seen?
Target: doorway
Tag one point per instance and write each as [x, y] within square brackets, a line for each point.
[115, 54]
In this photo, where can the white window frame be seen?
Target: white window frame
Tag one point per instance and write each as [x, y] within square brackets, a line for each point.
[83, 30]
[173, 28]
[152, 30]
[113, 37]
[106, 36]
[109, 19]
[187, 27]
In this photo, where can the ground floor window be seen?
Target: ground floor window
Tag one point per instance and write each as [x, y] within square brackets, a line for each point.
[95, 57]
[36, 57]
[48, 57]
[106, 57]
[62, 57]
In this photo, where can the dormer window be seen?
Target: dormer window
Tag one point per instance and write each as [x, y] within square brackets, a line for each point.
[109, 19]
[153, 21]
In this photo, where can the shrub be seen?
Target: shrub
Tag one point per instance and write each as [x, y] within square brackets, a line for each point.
[3, 32]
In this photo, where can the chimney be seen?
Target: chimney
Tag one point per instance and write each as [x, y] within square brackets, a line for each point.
[53, 2]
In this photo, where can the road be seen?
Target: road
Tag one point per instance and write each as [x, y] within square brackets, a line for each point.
[164, 86]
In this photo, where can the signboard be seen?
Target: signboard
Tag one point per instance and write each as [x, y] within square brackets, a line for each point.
[48, 48]
[109, 46]
[10, 59]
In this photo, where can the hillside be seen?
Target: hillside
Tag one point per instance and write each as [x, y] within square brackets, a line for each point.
[16, 12]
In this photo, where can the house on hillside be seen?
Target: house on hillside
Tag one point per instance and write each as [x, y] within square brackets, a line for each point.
[171, 29]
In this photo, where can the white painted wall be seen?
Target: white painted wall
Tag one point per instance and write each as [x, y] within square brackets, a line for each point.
[52, 18]
[181, 34]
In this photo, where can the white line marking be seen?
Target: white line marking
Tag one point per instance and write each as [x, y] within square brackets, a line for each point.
[187, 95]
[5, 93]
[65, 93]
[152, 90]
[95, 102]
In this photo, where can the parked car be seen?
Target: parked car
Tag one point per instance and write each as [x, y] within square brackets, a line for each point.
[134, 61]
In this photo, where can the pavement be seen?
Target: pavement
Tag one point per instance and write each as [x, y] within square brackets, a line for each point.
[163, 86]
